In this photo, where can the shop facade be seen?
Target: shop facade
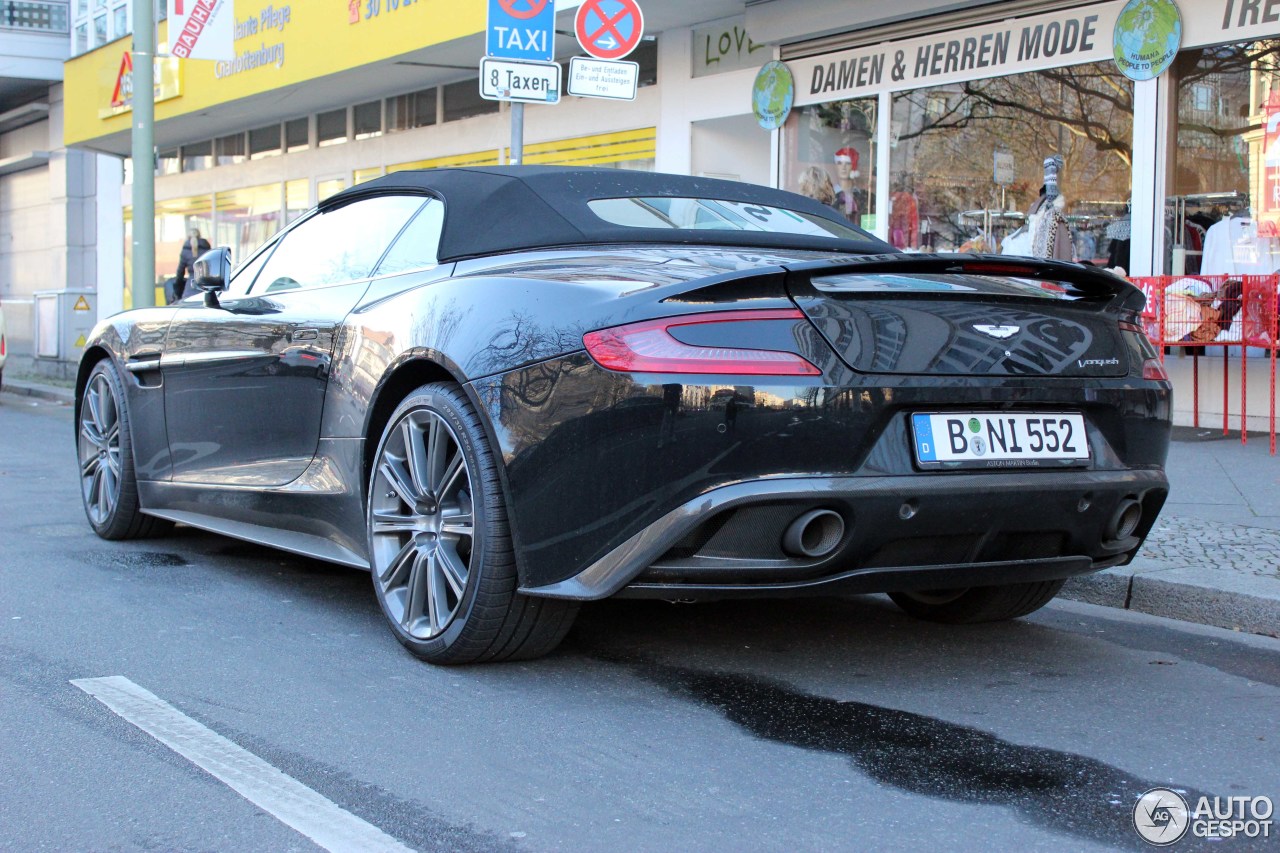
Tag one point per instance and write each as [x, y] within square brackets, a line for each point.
[938, 136]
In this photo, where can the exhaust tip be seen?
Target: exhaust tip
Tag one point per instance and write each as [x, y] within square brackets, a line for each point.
[817, 533]
[1125, 520]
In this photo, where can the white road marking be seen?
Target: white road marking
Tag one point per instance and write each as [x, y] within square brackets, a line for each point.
[271, 790]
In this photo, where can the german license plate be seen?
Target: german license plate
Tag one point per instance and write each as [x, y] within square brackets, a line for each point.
[999, 440]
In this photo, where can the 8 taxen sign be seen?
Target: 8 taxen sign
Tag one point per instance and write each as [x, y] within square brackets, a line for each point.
[525, 82]
[522, 29]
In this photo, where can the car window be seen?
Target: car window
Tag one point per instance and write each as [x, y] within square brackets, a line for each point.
[707, 214]
[416, 248]
[336, 245]
[243, 278]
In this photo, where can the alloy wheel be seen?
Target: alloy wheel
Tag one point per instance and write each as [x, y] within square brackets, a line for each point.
[422, 525]
[100, 449]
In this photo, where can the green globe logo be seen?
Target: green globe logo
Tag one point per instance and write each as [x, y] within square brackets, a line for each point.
[773, 94]
[1147, 36]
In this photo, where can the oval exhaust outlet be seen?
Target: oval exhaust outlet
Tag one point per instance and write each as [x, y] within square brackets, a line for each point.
[1125, 520]
[815, 534]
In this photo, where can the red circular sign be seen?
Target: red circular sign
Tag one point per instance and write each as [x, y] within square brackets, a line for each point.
[523, 9]
[609, 29]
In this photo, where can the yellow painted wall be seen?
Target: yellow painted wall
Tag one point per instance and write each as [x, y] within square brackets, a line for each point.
[318, 39]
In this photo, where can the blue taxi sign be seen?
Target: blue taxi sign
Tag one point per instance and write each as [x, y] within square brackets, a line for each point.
[521, 29]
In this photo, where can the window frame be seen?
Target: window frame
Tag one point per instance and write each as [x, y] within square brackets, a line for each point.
[279, 239]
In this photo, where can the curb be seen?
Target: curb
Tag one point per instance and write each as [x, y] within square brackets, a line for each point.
[1233, 601]
[40, 392]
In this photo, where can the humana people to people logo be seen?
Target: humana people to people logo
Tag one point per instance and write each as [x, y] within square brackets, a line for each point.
[1163, 817]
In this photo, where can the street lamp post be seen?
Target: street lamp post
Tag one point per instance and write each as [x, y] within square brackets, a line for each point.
[144, 188]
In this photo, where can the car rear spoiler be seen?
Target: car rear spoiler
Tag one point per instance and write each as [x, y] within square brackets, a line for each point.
[1087, 280]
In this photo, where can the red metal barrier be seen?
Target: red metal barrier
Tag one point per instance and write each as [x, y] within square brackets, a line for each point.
[1198, 312]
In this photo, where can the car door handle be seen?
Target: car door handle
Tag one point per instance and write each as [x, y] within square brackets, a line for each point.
[300, 335]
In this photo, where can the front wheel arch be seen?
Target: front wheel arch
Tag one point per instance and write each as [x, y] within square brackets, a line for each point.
[88, 362]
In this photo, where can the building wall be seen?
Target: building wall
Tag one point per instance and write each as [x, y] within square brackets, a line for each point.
[59, 223]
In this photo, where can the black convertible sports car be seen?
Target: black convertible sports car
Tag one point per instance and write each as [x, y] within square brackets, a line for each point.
[507, 391]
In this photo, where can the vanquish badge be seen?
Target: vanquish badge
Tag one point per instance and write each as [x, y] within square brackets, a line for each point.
[999, 332]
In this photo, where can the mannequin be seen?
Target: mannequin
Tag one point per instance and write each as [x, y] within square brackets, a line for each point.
[1050, 231]
[846, 197]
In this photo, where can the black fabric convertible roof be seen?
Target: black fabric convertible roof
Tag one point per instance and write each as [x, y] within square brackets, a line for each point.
[498, 209]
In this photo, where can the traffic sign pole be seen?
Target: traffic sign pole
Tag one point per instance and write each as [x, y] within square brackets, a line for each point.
[517, 134]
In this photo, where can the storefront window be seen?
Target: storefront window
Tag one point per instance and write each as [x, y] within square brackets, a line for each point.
[831, 157]
[231, 150]
[331, 127]
[197, 156]
[295, 135]
[1220, 217]
[264, 142]
[416, 109]
[248, 217]
[462, 100]
[296, 199]
[362, 175]
[367, 119]
[329, 187]
[968, 161]
[167, 162]
[174, 219]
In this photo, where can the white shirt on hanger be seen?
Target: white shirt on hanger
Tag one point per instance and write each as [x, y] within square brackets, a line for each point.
[1232, 247]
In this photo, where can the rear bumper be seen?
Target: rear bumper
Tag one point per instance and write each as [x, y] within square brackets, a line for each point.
[901, 532]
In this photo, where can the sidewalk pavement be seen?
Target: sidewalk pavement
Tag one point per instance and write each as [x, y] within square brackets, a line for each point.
[1212, 558]
[1214, 554]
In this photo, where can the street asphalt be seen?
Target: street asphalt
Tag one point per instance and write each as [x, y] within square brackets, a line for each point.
[799, 725]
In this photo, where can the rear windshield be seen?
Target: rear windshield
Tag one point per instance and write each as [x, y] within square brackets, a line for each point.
[705, 214]
[985, 284]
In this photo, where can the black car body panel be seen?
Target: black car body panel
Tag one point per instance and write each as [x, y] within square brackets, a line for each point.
[255, 415]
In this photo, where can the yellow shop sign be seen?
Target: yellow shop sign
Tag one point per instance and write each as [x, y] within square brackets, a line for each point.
[278, 44]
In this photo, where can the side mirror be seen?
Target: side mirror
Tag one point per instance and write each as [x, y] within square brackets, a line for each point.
[212, 270]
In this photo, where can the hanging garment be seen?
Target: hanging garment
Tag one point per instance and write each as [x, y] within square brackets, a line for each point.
[1050, 231]
[1194, 238]
[1234, 247]
[1017, 243]
[904, 220]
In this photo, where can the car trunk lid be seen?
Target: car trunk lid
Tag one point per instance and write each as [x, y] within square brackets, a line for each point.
[965, 315]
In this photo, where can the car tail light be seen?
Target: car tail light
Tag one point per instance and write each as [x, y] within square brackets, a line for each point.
[1127, 326]
[1153, 369]
[648, 347]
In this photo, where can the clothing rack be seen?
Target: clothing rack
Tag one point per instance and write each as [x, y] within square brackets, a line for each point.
[1180, 203]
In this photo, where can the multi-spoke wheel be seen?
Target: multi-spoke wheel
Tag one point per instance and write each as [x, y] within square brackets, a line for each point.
[103, 442]
[979, 603]
[440, 550]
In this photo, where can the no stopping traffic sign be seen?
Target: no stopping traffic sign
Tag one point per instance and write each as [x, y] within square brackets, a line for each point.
[609, 29]
[523, 9]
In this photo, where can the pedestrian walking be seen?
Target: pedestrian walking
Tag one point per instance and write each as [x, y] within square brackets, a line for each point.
[193, 247]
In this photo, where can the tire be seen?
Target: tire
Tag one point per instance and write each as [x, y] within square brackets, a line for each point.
[440, 549]
[979, 603]
[104, 445]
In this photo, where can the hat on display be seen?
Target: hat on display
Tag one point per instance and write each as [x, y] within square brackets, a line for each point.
[850, 156]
